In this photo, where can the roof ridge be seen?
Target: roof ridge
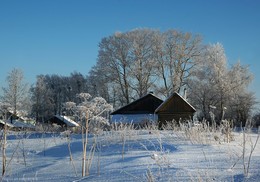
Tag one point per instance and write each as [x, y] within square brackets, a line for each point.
[137, 100]
[174, 93]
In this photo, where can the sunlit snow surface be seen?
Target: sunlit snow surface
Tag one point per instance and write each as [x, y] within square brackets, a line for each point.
[164, 155]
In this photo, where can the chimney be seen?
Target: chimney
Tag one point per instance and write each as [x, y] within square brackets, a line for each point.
[185, 94]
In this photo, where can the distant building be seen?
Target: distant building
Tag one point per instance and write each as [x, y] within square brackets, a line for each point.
[17, 121]
[63, 121]
[152, 109]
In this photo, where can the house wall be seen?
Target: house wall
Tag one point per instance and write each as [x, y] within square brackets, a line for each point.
[134, 118]
[163, 118]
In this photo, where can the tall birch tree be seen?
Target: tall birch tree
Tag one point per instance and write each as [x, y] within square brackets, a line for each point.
[16, 93]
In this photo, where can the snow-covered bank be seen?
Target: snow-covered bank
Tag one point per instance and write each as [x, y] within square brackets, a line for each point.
[137, 155]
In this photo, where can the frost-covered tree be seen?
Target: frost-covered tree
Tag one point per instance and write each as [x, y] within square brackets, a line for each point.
[163, 86]
[214, 84]
[56, 85]
[99, 84]
[209, 84]
[75, 83]
[113, 58]
[16, 93]
[51, 91]
[41, 97]
[181, 50]
[240, 101]
[15, 98]
[176, 53]
[142, 62]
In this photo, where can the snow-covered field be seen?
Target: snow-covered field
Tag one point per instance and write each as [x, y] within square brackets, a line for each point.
[133, 155]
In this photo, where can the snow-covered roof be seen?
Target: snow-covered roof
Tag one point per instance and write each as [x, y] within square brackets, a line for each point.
[21, 124]
[20, 114]
[17, 124]
[7, 123]
[67, 121]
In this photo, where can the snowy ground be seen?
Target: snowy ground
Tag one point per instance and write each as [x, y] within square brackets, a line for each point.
[154, 156]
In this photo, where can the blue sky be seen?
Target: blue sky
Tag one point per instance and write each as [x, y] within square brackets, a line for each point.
[62, 36]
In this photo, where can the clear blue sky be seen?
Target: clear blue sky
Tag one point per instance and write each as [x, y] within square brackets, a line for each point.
[62, 36]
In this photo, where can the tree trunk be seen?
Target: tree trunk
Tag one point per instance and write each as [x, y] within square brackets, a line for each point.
[4, 150]
[85, 170]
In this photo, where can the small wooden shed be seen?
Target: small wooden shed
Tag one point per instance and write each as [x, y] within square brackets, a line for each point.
[174, 108]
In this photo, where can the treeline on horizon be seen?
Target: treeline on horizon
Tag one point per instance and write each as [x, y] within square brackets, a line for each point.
[133, 63]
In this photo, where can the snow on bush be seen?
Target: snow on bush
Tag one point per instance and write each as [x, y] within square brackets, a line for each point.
[95, 108]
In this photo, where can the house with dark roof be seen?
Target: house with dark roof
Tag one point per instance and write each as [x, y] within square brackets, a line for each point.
[139, 111]
[150, 108]
[17, 120]
[63, 121]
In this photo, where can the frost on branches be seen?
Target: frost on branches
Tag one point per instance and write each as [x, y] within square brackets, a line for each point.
[96, 108]
[91, 114]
